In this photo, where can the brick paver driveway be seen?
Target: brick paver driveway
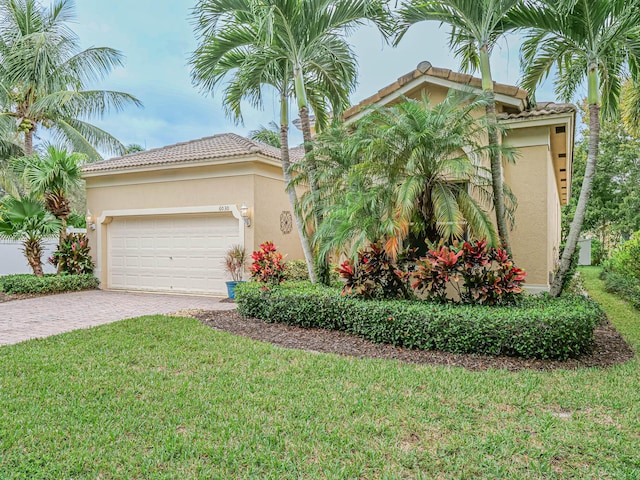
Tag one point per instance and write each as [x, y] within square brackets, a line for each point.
[43, 316]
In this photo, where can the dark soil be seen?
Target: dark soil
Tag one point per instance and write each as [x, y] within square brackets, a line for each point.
[609, 349]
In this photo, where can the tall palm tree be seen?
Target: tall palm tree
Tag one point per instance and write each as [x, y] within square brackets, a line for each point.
[409, 171]
[25, 219]
[54, 176]
[293, 46]
[592, 41]
[476, 27]
[43, 76]
[230, 50]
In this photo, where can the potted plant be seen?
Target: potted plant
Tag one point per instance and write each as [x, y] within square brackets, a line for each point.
[234, 261]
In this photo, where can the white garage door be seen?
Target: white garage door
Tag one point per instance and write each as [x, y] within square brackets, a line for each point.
[171, 253]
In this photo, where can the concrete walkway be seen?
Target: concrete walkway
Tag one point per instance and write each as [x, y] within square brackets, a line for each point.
[22, 320]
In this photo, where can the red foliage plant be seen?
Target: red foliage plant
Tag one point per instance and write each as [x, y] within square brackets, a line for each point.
[268, 264]
[374, 275]
[478, 274]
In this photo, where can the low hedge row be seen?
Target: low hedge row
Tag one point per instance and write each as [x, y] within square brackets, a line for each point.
[20, 284]
[625, 286]
[538, 327]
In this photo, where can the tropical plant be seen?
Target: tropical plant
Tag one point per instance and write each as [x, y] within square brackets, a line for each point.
[476, 273]
[269, 135]
[73, 255]
[295, 46]
[476, 27]
[375, 274]
[407, 172]
[268, 264]
[25, 219]
[234, 261]
[53, 175]
[43, 75]
[593, 41]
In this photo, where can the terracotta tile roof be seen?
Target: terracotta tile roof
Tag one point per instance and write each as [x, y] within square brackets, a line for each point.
[426, 69]
[217, 147]
[541, 109]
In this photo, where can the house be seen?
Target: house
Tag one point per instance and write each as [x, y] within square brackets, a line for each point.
[540, 178]
[164, 218]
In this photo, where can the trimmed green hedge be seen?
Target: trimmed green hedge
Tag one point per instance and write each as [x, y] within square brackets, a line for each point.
[538, 327]
[625, 286]
[15, 284]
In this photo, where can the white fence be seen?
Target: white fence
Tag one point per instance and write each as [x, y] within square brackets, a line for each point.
[12, 260]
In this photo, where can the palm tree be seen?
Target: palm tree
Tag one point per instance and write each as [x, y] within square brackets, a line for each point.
[269, 135]
[54, 176]
[43, 74]
[476, 27]
[233, 53]
[408, 172]
[25, 219]
[293, 46]
[586, 40]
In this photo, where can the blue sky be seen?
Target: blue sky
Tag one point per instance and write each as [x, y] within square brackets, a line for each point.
[157, 38]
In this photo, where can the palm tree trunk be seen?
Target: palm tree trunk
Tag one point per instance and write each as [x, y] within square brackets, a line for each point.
[291, 191]
[33, 252]
[28, 142]
[494, 153]
[581, 209]
[303, 111]
[62, 237]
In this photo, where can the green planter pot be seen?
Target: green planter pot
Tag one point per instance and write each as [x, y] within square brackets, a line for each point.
[231, 288]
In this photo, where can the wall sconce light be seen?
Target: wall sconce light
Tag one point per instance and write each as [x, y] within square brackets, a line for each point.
[244, 213]
[91, 222]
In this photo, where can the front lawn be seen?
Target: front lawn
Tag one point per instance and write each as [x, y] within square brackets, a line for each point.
[159, 397]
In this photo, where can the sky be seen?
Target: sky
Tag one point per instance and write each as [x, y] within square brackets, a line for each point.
[157, 38]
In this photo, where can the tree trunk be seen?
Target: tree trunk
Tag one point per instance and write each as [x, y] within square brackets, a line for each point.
[28, 142]
[496, 177]
[61, 239]
[291, 191]
[494, 156]
[583, 200]
[33, 252]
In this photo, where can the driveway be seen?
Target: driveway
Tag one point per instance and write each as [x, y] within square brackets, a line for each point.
[43, 316]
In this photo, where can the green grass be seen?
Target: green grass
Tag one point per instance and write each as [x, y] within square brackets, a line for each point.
[160, 397]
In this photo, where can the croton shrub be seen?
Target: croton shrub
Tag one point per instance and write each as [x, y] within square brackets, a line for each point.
[473, 273]
[268, 265]
[74, 255]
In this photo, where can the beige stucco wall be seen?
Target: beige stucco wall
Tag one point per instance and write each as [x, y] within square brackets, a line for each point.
[530, 181]
[254, 182]
[271, 203]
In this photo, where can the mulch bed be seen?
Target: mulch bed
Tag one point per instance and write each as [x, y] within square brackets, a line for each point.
[610, 348]
[7, 298]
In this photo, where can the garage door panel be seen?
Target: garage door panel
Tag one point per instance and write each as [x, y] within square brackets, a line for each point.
[170, 253]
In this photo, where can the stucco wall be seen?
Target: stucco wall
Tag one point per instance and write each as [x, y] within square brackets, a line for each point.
[529, 181]
[272, 204]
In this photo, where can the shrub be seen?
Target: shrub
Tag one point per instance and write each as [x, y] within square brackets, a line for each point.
[374, 275]
[538, 327]
[478, 274]
[74, 255]
[21, 284]
[625, 286]
[296, 271]
[625, 260]
[268, 265]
